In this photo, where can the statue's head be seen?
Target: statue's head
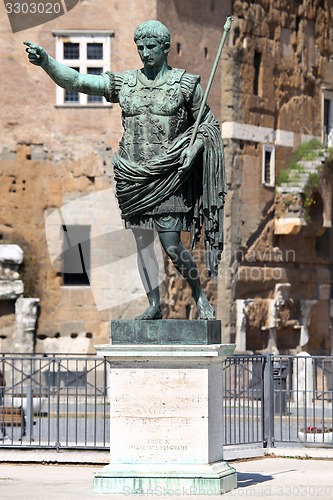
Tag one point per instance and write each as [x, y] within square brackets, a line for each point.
[153, 29]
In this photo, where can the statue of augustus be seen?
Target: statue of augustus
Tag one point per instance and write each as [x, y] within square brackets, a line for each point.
[164, 181]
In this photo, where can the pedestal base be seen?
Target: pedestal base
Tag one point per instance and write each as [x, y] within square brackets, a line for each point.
[157, 480]
[166, 420]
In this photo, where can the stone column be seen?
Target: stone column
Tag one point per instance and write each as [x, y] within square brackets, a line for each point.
[306, 306]
[272, 324]
[26, 313]
[166, 417]
[11, 288]
[303, 380]
[242, 307]
[281, 300]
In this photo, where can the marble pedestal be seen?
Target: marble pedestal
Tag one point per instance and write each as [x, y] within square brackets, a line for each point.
[165, 420]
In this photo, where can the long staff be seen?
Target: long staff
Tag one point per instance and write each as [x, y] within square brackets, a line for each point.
[226, 29]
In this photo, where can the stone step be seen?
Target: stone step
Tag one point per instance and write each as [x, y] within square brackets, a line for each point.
[297, 178]
[312, 164]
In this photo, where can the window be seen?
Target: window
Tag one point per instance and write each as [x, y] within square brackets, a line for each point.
[328, 118]
[86, 52]
[76, 255]
[268, 166]
[257, 74]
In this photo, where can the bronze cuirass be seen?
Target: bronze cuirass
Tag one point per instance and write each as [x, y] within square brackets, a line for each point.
[153, 115]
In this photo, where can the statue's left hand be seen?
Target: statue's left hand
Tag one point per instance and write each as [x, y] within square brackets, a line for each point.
[188, 156]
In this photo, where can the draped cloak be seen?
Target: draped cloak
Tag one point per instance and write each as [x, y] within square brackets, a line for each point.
[142, 186]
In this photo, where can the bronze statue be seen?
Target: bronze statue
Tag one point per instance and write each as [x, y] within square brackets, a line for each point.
[165, 181]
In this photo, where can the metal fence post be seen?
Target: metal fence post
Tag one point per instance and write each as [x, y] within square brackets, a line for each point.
[268, 402]
[29, 413]
[58, 365]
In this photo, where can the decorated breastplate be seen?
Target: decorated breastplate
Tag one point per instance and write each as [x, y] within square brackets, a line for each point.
[153, 115]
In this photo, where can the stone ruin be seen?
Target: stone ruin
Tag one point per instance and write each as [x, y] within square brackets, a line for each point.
[273, 317]
[18, 314]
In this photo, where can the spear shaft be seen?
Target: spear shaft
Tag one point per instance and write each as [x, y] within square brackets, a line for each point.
[226, 29]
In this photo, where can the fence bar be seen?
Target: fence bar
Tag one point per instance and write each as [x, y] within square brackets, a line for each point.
[268, 402]
[29, 414]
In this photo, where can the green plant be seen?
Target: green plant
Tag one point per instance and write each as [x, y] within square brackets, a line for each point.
[283, 177]
[307, 151]
[311, 187]
[290, 174]
[313, 183]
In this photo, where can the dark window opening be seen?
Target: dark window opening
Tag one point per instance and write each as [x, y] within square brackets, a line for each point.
[72, 95]
[94, 98]
[327, 105]
[257, 67]
[94, 51]
[267, 167]
[71, 50]
[76, 255]
[326, 114]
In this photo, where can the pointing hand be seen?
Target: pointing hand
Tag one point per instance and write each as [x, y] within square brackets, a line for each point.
[37, 55]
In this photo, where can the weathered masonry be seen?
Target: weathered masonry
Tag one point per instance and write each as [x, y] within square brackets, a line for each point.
[274, 292]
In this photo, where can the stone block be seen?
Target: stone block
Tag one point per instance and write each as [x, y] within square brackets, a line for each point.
[12, 254]
[288, 225]
[11, 289]
[169, 331]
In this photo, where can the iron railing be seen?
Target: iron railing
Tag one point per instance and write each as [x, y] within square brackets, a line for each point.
[303, 393]
[243, 390]
[278, 400]
[268, 400]
[64, 400]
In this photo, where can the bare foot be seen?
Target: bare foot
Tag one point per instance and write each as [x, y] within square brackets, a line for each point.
[205, 309]
[152, 312]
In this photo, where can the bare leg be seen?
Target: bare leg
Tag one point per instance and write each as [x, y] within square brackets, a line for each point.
[185, 264]
[148, 269]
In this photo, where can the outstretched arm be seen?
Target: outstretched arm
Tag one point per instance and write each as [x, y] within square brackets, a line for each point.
[62, 75]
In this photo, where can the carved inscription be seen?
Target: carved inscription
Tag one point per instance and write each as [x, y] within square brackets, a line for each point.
[159, 413]
[159, 445]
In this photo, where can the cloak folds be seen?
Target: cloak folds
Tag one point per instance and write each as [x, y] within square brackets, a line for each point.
[141, 187]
